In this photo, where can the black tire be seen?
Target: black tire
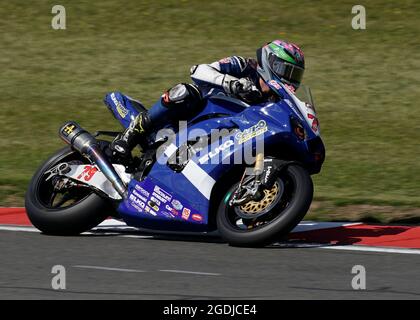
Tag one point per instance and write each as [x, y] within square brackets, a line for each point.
[282, 224]
[72, 220]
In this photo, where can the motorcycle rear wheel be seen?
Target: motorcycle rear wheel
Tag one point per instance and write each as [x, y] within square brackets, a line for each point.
[281, 214]
[79, 212]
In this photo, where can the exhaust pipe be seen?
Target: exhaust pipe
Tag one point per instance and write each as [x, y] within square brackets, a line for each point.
[87, 145]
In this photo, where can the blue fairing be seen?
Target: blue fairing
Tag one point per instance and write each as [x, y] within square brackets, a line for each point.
[181, 200]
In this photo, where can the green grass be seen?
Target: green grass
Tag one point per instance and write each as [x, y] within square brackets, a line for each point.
[366, 83]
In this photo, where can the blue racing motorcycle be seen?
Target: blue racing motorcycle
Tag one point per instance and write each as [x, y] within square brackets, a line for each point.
[241, 169]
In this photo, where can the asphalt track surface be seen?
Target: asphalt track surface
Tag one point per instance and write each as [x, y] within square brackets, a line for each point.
[104, 266]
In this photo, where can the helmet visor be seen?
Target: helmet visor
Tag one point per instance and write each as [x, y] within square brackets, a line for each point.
[285, 70]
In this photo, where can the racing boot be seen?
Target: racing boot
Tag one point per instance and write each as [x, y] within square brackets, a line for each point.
[125, 142]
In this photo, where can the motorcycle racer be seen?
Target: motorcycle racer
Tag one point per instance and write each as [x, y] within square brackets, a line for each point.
[242, 78]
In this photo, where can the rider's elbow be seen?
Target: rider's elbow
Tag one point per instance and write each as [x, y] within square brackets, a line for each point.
[193, 69]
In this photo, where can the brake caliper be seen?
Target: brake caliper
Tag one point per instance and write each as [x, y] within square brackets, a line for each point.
[265, 174]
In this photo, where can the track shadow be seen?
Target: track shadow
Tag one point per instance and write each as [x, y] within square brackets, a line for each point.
[346, 235]
[306, 239]
[157, 235]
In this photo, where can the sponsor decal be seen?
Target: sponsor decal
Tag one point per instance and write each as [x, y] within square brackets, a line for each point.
[267, 174]
[68, 129]
[158, 203]
[148, 210]
[160, 198]
[122, 111]
[172, 210]
[163, 194]
[176, 204]
[142, 191]
[275, 84]
[153, 205]
[251, 132]
[290, 88]
[197, 217]
[315, 122]
[167, 214]
[216, 151]
[136, 203]
[186, 213]
[138, 195]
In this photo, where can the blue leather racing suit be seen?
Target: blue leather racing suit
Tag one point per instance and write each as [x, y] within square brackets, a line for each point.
[218, 75]
[234, 76]
[184, 101]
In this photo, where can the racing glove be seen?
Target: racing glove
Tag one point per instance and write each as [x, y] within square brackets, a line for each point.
[245, 89]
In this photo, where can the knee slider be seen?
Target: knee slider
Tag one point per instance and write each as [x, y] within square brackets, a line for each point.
[182, 94]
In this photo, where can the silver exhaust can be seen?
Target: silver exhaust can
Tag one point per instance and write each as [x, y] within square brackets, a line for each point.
[88, 146]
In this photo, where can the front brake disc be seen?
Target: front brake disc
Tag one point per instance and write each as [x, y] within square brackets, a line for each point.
[254, 209]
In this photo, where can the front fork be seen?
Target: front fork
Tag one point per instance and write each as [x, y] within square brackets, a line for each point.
[265, 172]
[252, 191]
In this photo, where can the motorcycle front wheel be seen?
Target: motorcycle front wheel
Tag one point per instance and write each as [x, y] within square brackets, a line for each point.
[280, 209]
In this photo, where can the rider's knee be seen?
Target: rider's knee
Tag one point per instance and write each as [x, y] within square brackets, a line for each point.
[184, 95]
